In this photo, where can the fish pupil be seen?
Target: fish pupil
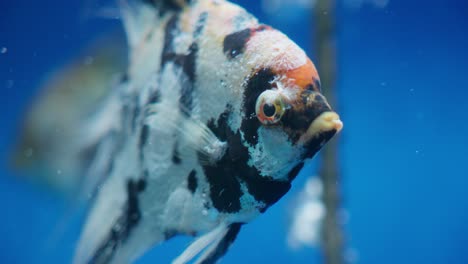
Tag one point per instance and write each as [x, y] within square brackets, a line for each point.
[269, 110]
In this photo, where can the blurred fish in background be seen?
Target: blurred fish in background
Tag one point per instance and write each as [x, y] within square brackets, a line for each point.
[68, 94]
[307, 215]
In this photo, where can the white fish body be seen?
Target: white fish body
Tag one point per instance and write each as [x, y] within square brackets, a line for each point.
[211, 123]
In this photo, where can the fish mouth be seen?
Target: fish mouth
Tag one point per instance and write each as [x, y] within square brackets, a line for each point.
[326, 123]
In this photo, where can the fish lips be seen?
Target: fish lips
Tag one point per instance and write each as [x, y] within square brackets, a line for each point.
[311, 122]
[322, 129]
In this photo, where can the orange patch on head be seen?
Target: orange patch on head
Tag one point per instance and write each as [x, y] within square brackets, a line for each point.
[304, 75]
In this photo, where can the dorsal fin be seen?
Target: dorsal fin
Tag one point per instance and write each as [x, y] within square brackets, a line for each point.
[140, 15]
[166, 5]
[170, 4]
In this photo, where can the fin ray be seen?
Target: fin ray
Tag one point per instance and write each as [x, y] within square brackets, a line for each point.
[217, 250]
[200, 244]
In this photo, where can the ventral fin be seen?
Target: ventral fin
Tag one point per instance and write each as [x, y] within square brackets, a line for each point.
[217, 250]
[214, 245]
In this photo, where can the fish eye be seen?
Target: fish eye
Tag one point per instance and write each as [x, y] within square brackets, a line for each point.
[269, 107]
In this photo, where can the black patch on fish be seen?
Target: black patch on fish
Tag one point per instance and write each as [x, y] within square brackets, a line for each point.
[124, 78]
[170, 32]
[225, 189]
[256, 84]
[206, 205]
[265, 188]
[166, 5]
[319, 99]
[144, 134]
[155, 97]
[107, 249]
[234, 44]
[200, 25]
[124, 224]
[223, 245]
[226, 175]
[130, 112]
[192, 182]
[109, 167]
[316, 143]
[293, 173]
[296, 122]
[168, 234]
[149, 2]
[141, 184]
[188, 65]
[133, 213]
[187, 62]
[135, 114]
[176, 155]
[310, 87]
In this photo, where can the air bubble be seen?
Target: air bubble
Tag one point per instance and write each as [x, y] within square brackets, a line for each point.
[28, 153]
[10, 84]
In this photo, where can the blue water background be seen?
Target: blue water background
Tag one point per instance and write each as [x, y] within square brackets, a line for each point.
[403, 95]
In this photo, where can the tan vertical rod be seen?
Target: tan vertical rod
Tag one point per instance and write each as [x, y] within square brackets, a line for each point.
[324, 23]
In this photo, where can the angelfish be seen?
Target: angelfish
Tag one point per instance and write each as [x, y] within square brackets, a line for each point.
[214, 117]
